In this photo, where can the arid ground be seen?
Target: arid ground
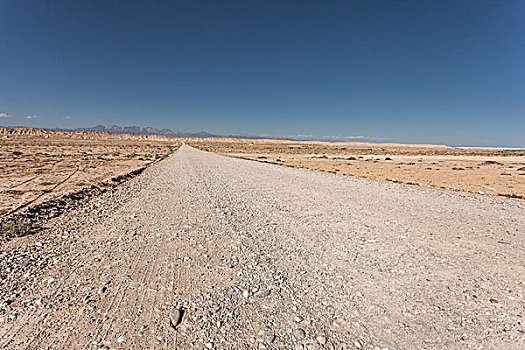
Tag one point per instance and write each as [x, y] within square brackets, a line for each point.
[260, 256]
[206, 251]
[482, 170]
[38, 167]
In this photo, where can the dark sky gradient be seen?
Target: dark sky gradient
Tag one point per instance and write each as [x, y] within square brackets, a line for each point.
[413, 71]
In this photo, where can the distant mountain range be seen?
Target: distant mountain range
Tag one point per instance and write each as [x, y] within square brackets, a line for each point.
[148, 131]
[140, 130]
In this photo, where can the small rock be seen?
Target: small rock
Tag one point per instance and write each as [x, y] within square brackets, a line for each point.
[265, 293]
[270, 339]
[321, 339]
[300, 333]
[208, 345]
[121, 339]
[175, 317]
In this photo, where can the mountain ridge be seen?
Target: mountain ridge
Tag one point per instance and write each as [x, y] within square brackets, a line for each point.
[146, 130]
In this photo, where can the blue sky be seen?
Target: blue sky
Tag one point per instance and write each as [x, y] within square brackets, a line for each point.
[412, 71]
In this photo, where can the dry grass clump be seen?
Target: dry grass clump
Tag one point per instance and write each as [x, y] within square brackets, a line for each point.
[16, 228]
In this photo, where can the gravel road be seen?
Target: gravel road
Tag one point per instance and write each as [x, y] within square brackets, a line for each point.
[256, 256]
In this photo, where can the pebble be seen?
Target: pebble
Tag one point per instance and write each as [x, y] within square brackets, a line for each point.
[121, 339]
[175, 317]
[321, 339]
[208, 345]
[265, 293]
[300, 333]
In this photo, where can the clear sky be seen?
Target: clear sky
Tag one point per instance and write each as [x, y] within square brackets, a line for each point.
[413, 71]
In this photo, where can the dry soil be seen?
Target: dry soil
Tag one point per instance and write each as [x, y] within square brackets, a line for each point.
[263, 256]
[481, 170]
[36, 168]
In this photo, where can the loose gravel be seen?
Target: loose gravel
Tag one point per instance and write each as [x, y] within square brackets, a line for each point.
[208, 252]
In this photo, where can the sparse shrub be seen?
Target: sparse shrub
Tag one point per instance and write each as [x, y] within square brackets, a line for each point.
[16, 228]
[17, 153]
[492, 162]
[388, 158]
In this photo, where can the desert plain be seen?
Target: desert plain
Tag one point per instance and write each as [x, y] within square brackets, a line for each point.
[38, 165]
[484, 170]
[207, 250]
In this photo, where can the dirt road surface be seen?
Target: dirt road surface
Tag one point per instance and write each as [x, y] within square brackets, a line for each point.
[264, 256]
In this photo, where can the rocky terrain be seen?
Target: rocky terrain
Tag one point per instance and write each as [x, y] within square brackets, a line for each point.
[203, 251]
[119, 133]
[86, 135]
